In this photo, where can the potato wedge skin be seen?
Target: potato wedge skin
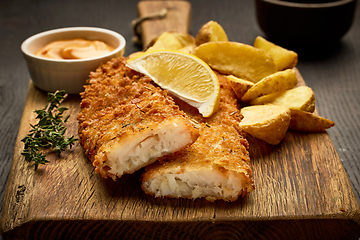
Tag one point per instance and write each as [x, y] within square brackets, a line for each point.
[308, 122]
[238, 59]
[283, 58]
[174, 41]
[266, 122]
[132, 55]
[211, 32]
[299, 98]
[240, 86]
[278, 81]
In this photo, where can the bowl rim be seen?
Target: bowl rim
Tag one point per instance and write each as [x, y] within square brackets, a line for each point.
[72, 29]
[309, 5]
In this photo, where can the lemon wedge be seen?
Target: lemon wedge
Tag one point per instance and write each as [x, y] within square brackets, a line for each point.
[184, 75]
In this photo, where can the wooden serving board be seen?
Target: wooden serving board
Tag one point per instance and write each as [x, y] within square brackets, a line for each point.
[302, 192]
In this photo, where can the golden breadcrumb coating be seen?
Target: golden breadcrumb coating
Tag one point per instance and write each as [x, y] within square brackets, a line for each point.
[221, 151]
[119, 107]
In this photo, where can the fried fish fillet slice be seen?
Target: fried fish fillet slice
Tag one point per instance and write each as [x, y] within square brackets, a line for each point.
[216, 166]
[126, 123]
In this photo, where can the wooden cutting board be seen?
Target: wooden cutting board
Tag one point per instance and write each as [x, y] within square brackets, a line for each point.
[302, 191]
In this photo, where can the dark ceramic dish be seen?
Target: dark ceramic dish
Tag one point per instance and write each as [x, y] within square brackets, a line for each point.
[299, 22]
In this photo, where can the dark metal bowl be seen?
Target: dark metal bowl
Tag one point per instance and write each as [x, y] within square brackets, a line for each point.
[299, 22]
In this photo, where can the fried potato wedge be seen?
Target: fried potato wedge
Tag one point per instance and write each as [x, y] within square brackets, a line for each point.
[278, 81]
[211, 32]
[283, 58]
[174, 41]
[299, 98]
[238, 59]
[308, 122]
[134, 54]
[266, 122]
[240, 86]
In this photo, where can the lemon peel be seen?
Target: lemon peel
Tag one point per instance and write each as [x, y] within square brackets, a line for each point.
[184, 75]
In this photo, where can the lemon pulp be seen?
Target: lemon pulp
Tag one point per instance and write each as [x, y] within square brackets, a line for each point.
[184, 75]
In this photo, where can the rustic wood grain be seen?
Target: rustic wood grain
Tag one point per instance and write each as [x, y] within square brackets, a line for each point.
[305, 195]
[177, 19]
[299, 183]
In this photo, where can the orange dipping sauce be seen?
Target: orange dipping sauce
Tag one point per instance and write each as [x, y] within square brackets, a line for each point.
[74, 49]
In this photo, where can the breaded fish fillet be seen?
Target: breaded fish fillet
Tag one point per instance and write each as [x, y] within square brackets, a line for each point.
[216, 166]
[126, 123]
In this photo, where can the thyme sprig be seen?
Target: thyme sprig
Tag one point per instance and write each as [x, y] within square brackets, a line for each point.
[49, 132]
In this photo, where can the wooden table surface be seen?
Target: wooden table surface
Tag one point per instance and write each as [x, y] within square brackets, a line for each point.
[333, 74]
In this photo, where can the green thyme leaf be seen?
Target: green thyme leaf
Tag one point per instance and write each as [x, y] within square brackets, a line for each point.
[49, 132]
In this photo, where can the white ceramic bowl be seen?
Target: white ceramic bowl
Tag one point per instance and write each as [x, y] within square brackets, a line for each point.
[69, 74]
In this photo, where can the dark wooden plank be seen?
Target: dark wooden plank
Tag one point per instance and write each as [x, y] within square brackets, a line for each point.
[333, 76]
[279, 229]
